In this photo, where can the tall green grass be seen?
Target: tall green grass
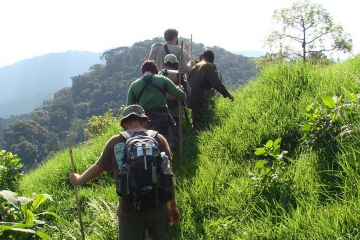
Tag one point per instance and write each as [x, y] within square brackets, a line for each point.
[220, 193]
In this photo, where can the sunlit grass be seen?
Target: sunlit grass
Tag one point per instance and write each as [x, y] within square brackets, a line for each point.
[217, 194]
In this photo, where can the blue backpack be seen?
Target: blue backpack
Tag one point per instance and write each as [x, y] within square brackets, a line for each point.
[144, 175]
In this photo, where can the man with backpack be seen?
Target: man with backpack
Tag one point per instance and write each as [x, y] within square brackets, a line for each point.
[160, 50]
[171, 72]
[139, 159]
[150, 91]
[203, 78]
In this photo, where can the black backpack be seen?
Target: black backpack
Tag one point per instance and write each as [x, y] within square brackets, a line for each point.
[145, 176]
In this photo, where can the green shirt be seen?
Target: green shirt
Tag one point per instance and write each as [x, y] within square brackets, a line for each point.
[151, 96]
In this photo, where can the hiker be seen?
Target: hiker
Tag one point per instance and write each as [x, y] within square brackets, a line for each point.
[171, 72]
[202, 78]
[149, 91]
[132, 222]
[160, 50]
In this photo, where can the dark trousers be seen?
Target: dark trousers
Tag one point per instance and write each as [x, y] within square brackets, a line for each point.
[202, 113]
[158, 122]
[146, 224]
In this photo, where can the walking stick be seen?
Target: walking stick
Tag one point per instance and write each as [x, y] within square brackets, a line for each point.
[180, 125]
[191, 51]
[75, 189]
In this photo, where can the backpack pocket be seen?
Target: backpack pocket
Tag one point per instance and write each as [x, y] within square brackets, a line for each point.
[121, 184]
[166, 189]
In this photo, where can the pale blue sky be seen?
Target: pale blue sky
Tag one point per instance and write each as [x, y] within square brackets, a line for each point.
[37, 27]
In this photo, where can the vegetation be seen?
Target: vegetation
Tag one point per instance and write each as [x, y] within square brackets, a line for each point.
[19, 221]
[280, 162]
[306, 30]
[93, 93]
[10, 171]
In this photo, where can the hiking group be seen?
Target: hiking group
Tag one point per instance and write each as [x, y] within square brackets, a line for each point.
[140, 156]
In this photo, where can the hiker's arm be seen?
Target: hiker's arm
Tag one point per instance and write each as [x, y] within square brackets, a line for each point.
[175, 91]
[130, 96]
[174, 214]
[213, 78]
[172, 207]
[91, 173]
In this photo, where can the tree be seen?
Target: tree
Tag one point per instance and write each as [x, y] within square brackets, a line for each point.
[26, 139]
[307, 29]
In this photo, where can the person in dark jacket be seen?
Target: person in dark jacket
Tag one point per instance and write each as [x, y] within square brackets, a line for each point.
[203, 79]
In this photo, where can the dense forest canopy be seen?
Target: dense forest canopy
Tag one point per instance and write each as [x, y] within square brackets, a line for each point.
[103, 88]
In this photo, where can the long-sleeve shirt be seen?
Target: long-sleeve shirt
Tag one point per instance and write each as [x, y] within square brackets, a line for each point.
[153, 97]
[202, 78]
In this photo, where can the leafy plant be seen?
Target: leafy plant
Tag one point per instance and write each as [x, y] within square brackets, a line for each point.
[335, 117]
[10, 170]
[19, 221]
[226, 228]
[100, 124]
[271, 174]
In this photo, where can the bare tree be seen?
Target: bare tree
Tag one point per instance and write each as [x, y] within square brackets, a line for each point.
[306, 29]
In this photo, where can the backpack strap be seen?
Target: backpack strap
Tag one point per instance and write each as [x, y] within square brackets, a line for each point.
[151, 133]
[166, 49]
[126, 134]
[137, 99]
[148, 81]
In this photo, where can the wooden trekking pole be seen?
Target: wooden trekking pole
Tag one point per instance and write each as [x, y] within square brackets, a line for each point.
[75, 189]
[191, 51]
[179, 82]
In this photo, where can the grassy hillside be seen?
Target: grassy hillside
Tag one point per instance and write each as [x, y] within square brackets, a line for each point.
[224, 189]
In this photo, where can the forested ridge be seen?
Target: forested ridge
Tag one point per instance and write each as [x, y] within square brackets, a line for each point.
[102, 89]
[28, 83]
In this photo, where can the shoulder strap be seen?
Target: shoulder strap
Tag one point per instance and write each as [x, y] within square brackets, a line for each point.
[126, 134]
[166, 49]
[151, 133]
[148, 81]
[137, 100]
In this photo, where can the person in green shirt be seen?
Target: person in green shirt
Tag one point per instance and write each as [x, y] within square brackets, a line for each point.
[149, 92]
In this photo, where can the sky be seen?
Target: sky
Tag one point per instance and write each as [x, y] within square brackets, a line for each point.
[37, 27]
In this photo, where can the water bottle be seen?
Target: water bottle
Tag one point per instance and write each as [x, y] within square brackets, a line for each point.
[166, 192]
[165, 165]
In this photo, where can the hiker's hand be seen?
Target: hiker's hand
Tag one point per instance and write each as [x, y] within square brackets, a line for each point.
[231, 97]
[187, 47]
[74, 179]
[191, 63]
[174, 215]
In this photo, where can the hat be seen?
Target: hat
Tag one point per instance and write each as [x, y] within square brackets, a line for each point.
[170, 58]
[133, 110]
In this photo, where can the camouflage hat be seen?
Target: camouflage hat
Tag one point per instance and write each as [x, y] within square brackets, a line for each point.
[133, 110]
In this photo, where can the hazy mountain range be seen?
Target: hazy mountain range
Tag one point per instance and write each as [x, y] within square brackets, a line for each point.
[25, 85]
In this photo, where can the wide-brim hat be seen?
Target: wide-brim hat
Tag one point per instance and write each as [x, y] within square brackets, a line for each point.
[136, 110]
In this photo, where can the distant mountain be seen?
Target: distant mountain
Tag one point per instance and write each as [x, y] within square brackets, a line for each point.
[25, 85]
[251, 53]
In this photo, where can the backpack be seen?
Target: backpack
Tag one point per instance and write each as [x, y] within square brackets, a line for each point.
[145, 176]
[173, 75]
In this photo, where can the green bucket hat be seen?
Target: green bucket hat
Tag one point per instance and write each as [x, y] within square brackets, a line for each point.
[133, 110]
